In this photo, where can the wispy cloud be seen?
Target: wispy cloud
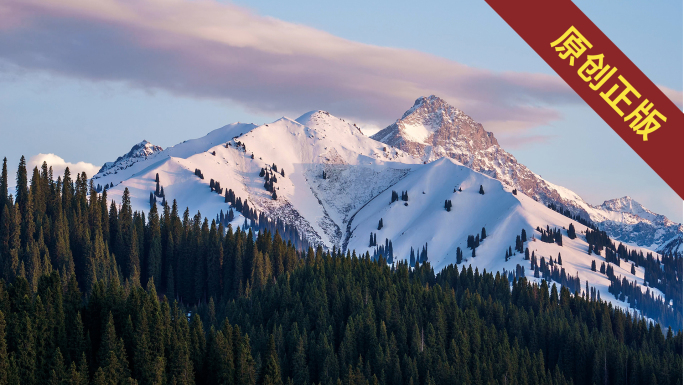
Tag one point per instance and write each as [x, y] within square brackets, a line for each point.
[208, 49]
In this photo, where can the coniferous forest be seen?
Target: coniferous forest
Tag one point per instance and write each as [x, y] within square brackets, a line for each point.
[95, 293]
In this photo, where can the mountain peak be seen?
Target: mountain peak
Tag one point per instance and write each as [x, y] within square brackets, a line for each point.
[319, 119]
[432, 128]
[317, 116]
[434, 105]
[139, 151]
[430, 103]
[143, 149]
[629, 206]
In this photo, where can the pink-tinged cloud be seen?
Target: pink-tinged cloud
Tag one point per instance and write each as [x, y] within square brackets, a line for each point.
[519, 141]
[59, 165]
[206, 49]
[676, 96]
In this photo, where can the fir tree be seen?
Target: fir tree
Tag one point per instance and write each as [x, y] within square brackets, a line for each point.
[270, 374]
[4, 358]
[300, 368]
[154, 247]
[380, 224]
[482, 192]
[3, 187]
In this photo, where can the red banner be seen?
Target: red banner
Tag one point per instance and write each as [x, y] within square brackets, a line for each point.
[605, 78]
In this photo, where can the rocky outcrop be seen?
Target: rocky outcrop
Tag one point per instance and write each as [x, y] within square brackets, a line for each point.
[432, 129]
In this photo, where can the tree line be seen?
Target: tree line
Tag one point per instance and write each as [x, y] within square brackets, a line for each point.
[238, 307]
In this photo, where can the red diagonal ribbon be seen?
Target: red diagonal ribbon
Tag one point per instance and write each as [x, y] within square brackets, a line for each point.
[605, 78]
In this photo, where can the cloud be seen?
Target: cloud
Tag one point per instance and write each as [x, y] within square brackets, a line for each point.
[207, 49]
[676, 96]
[59, 165]
[520, 141]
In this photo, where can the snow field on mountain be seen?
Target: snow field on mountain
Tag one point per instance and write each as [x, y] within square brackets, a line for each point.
[318, 141]
[176, 167]
[502, 214]
[345, 207]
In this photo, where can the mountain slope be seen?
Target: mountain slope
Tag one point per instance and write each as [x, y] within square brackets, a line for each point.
[423, 219]
[334, 184]
[432, 129]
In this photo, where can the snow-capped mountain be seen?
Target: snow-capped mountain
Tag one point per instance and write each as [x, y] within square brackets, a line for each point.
[138, 152]
[322, 175]
[432, 129]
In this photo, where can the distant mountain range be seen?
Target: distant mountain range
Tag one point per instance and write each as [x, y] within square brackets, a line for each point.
[340, 189]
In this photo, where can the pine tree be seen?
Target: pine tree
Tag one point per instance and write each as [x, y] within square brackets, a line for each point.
[154, 247]
[220, 356]
[4, 358]
[58, 370]
[380, 224]
[157, 191]
[22, 194]
[300, 370]
[3, 187]
[482, 192]
[271, 369]
[26, 353]
[244, 363]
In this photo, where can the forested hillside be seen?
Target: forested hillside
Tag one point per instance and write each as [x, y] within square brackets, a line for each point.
[223, 306]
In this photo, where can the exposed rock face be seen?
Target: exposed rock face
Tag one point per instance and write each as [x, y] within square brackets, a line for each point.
[432, 129]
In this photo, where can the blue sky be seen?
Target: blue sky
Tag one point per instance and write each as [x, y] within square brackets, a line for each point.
[94, 112]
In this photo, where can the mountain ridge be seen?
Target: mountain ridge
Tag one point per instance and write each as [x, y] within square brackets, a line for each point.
[448, 132]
